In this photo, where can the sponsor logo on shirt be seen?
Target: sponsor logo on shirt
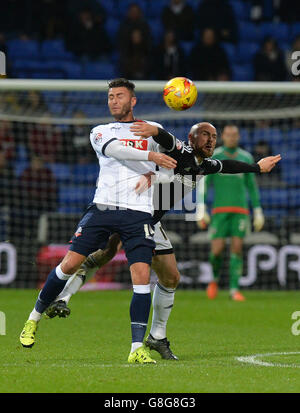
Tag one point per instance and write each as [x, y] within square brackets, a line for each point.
[141, 144]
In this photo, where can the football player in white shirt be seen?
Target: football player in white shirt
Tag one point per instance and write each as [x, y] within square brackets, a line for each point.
[202, 139]
[117, 208]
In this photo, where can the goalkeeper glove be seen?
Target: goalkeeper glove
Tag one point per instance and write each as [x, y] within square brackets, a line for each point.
[258, 219]
[202, 216]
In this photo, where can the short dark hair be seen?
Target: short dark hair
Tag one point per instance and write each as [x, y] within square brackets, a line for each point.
[122, 82]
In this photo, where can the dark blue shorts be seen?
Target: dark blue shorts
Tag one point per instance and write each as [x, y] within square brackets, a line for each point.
[134, 227]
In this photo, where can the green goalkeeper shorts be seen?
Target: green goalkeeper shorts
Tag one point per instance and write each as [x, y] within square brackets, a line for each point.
[229, 224]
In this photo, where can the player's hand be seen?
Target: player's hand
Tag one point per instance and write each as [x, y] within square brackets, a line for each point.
[268, 163]
[258, 219]
[162, 160]
[145, 182]
[144, 129]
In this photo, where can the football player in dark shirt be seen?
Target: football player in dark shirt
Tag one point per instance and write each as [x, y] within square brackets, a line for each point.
[193, 161]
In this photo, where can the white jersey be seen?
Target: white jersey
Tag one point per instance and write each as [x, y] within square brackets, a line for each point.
[118, 178]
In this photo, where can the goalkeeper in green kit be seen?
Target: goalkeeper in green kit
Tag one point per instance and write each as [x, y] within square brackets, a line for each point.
[230, 213]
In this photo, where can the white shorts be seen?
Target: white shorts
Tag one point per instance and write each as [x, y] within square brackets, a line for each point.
[163, 244]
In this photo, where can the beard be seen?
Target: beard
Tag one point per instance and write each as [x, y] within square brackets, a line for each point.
[126, 109]
[203, 153]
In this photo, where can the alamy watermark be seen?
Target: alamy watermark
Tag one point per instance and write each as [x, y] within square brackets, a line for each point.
[296, 65]
[295, 329]
[2, 324]
[2, 64]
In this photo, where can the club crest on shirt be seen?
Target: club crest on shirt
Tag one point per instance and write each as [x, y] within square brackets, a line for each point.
[178, 144]
[98, 138]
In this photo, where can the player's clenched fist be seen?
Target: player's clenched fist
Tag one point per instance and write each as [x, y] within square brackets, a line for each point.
[162, 160]
[268, 163]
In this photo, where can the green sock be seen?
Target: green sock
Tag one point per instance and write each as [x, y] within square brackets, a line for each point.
[216, 262]
[235, 271]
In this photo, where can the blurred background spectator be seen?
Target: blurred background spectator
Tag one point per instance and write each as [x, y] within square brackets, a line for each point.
[269, 64]
[96, 39]
[48, 19]
[76, 142]
[88, 37]
[179, 17]
[37, 194]
[7, 141]
[44, 140]
[7, 181]
[135, 56]
[218, 14]
[134, 20]
[169, 58]
[208, 59]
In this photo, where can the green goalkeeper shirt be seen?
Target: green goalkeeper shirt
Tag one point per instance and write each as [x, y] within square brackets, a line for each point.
[230, 191]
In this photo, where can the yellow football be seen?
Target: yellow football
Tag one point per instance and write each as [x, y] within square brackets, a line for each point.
[180, 93]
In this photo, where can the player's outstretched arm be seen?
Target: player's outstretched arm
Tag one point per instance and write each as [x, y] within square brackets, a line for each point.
[265, 165]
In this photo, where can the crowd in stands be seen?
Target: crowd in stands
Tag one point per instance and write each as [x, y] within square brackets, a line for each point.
[151, 39]
[146, 39]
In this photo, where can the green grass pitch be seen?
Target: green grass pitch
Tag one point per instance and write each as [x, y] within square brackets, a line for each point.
[88, 351]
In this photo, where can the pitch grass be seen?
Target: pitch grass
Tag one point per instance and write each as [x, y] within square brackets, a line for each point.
[88, 351]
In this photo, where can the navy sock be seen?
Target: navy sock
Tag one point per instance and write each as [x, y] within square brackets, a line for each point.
[52, 288]
[139, 314]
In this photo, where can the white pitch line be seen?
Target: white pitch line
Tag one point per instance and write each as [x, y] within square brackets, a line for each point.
[254, 359]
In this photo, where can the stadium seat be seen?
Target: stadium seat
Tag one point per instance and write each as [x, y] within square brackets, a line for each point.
[186, 47]
[290, 175]
[155, 8]
[270, 135]
[157, 29]
[230, 50]
[242, 72]
[74, 198]
[294, 30]
[55, 49]
[241, 9]
[246, 51]
[279, 31]
[20, 166]
[86, 173]
[249, 32]
[111, 8]
[22, 153]
[274, 197]
[262, 237]
[71, 70]
[98, 70]
[122, 6]
[18, 49]
[61, 171]
[112, 25]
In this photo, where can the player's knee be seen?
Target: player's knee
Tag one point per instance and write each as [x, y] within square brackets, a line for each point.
[68, 268]
[71, 263]
[171, 279]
